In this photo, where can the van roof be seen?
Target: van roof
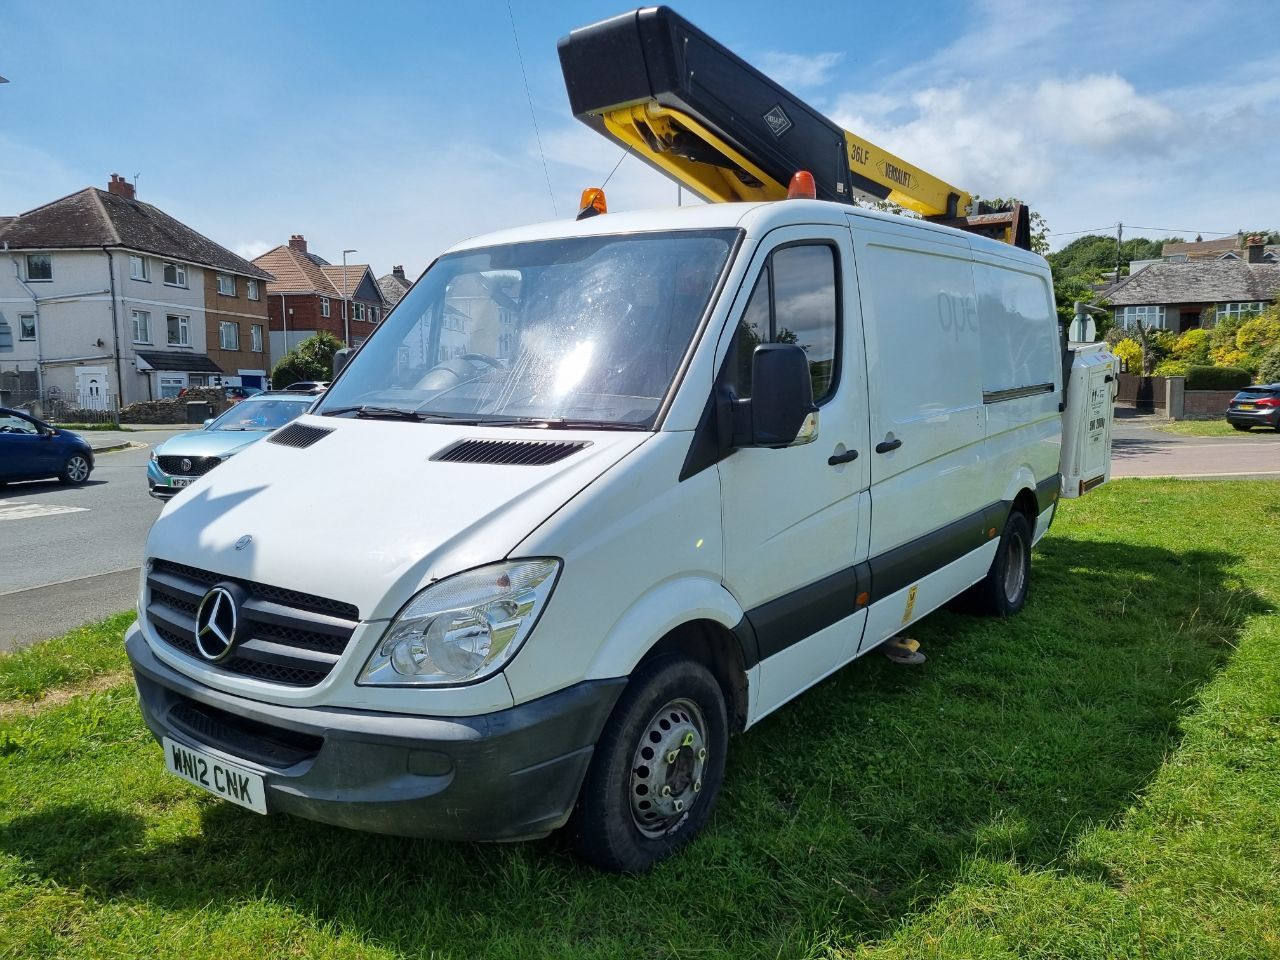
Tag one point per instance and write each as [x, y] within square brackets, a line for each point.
[755, 218]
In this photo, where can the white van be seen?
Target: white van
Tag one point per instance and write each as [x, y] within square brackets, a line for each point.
[595, 496]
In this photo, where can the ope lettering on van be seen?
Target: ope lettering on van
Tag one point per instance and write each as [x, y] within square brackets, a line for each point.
[954, 315]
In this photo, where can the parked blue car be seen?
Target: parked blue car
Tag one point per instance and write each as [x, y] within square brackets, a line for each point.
[181, 460]
[30, 449]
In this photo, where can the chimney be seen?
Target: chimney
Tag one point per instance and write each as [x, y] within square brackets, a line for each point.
[298, 242]
[398, 272]
[120, 187]
[1254, 247]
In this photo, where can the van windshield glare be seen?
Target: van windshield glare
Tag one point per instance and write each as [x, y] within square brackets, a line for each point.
[584, 329]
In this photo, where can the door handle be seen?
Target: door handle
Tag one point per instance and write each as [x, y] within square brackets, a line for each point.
[838, 458]
[884, 446]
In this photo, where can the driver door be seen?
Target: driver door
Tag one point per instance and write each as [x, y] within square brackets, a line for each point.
[795, 519]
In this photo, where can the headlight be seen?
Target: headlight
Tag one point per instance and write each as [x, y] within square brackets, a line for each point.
[153, 454]
[464, 627]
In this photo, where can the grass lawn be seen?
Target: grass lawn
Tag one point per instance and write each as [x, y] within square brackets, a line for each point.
[1096, 778]
[1211, 428]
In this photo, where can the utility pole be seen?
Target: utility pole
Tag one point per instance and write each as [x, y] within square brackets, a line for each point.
[1119, 238]
[346, 320]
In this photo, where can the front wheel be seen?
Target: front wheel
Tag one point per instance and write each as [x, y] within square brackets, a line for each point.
[657, 768]
[75, 470]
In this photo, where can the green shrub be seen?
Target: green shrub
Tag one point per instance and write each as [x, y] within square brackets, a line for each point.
[1171, 368]
[1216, 378]
[1193, 347]
[1269, 368]
[312, 359]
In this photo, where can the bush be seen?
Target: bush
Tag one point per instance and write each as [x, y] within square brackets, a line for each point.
[1192, 348]
[1216, 378]
[1269, 368]
[1129, 351]
[1171, 368]
[312, 359]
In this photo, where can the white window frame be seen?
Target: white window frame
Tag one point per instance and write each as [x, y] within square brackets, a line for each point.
[227, 289]
[251, 289]
[359, 311]
[139, 268]
[145, 316]
[1242, 308]
[39, 256]
[255, 337]
[223, 327]
[324, 306]
[179, 380]
[179, 274]
[1152, 316]
[184, 330]
[22, 319]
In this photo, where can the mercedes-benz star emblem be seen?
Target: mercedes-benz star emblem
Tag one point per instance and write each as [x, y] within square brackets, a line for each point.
[185, 464]
[216, 622]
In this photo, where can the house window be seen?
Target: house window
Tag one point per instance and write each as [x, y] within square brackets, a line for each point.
[39, 266]
[1148, 316]
[377, 314]
[227, 284]
[1229, 310]
[251, 287]
[229, 334]
[26, 326]
[141, 326]
[138, 268]
[324, 306]
[175, 274]
[179, 331]
[359, 311]
[171, 386]
[255, 338]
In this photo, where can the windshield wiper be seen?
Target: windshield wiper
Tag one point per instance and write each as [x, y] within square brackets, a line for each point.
[375, 413]
[564, 423]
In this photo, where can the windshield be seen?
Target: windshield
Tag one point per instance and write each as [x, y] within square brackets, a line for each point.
[587, 329]
[262, 413]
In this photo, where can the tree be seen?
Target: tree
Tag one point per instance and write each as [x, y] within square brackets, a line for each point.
[1095, 254]
[312, 359]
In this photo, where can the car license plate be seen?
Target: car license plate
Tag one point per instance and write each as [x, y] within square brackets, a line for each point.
[226, 780]
[180, 481]
[1246, 406]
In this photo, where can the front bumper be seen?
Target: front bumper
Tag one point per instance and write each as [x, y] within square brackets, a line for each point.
[509, 775]
[158, 483]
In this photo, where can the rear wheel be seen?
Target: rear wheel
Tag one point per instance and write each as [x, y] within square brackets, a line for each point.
[76, 469]
[657, 768]
[1003, 591]
[1245, 426]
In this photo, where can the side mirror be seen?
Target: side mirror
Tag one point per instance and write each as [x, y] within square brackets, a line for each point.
[207, 422]
[781, 397]
[340, 358]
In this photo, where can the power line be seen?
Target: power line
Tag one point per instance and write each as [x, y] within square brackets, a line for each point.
[533, 116]
[615, 167]
[1109, 227]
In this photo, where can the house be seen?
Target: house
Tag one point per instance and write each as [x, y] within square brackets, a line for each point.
[1228, 248]
[394, 285]
[309, 294]
[103, 296]
[1174, 295]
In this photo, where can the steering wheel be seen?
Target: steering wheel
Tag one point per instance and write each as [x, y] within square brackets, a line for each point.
[484, 358]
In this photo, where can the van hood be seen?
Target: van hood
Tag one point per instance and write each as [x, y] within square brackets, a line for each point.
[365, 515]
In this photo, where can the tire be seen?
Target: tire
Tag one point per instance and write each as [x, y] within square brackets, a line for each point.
[1003, 592]
[1245, 426]
[76, 470]
[623, 820]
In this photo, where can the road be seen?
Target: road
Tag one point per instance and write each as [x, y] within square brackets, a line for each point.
[1141, 450]
[70, 555]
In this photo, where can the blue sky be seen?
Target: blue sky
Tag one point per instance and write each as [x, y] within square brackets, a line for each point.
[400, 128]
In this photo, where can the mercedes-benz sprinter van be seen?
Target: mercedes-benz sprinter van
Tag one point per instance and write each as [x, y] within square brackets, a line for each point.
[596, 496]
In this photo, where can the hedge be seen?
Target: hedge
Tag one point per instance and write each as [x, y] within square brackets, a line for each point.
[1217, 378]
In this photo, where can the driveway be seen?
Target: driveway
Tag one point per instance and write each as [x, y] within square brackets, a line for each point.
[1139, 449]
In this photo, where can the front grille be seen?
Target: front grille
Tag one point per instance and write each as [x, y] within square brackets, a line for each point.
[187, 466]
[241, 737]
[284, 636]
[518, 453]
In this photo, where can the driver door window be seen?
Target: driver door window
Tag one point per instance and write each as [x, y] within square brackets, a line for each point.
[16, 425]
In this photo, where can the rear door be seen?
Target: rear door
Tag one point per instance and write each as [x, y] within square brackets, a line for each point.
[793, 518]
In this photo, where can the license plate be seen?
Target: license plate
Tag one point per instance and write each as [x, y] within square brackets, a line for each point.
[226, 780]
[180, 481]
[1246, 406]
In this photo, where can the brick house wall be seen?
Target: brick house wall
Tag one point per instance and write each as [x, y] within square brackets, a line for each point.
[305, 317]
[241, 310]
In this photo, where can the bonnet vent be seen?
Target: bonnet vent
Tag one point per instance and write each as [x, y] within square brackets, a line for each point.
[518, 453]
[298, 435]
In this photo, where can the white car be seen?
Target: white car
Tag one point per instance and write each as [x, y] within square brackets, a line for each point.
[597, 495]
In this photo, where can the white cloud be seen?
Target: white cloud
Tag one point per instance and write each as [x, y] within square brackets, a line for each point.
[253, 248]
[799, 69]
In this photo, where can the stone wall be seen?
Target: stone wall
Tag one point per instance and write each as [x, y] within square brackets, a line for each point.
[172, 409]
